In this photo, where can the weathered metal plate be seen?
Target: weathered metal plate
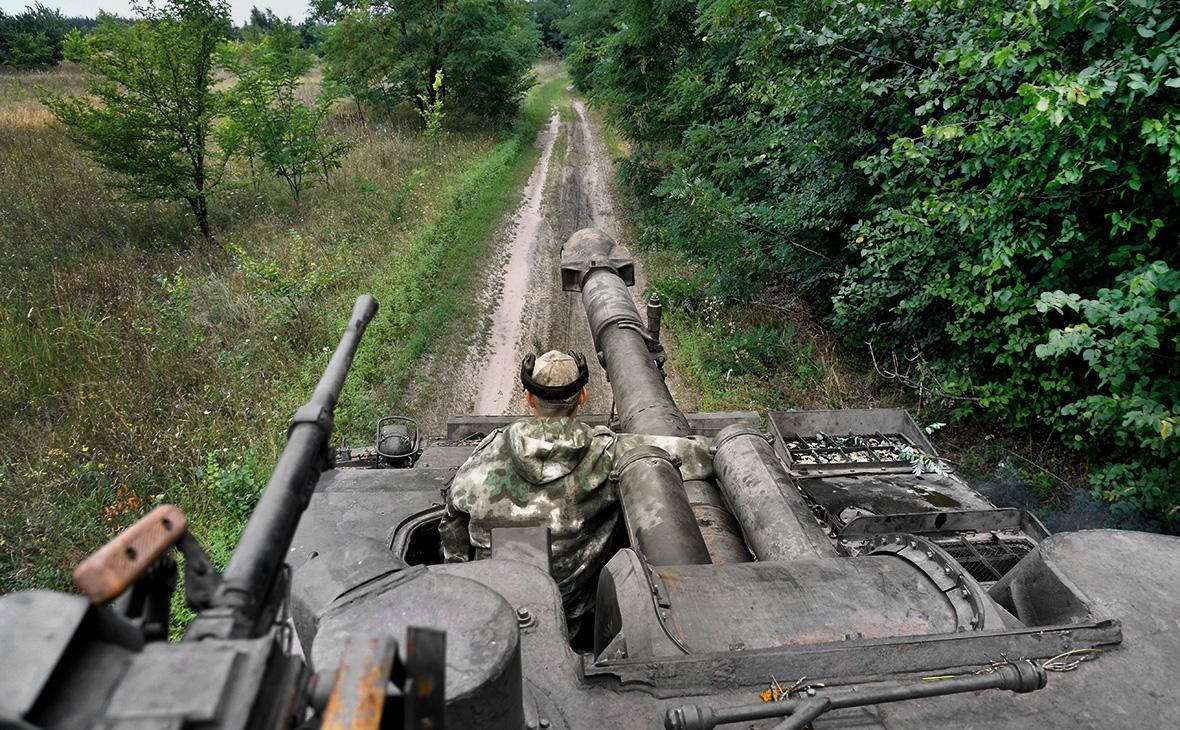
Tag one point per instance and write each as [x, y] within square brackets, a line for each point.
[847, 498]
[38, 627]
[990, 520]
[190, 684]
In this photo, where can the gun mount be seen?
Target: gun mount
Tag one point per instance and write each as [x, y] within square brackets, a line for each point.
[813, 574]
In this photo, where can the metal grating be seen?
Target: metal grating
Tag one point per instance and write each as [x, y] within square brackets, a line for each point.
[848, 448]
[987, 561]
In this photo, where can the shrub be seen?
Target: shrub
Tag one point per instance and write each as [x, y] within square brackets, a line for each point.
[929, 169]
[1129, 340]
[266, 120]
[238, 484]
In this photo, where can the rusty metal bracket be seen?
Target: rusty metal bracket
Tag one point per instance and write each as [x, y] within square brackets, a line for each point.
[357, 701]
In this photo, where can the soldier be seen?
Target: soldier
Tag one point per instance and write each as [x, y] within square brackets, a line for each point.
[551, 470]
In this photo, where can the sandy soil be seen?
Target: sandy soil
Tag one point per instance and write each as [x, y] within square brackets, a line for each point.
[523, 308]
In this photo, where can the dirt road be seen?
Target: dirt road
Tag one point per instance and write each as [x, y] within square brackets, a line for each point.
[523, 309]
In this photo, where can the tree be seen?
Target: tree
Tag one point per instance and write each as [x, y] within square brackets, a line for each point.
[149, 113]
[356, 59]
[33, 38]
[312, 34]
[391, 52]
[266, 119]
[264, 20]
[548, 14]
[585, 29]
[261, 22]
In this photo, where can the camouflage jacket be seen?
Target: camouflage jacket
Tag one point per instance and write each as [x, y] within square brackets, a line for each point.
[553, 472]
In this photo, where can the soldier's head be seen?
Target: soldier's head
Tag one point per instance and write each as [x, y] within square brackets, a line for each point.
[554, 383]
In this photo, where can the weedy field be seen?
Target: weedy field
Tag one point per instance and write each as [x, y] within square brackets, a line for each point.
[144, 364]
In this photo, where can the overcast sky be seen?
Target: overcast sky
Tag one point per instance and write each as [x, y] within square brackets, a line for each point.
[294, 9]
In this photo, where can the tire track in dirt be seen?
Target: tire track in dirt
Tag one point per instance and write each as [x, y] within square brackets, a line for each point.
[500, 361]
[522, 308]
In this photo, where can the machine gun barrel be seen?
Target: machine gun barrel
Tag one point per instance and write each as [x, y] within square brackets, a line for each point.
[256, 562]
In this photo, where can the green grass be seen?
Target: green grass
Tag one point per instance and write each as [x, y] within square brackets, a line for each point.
[145, 365]
[755, 356]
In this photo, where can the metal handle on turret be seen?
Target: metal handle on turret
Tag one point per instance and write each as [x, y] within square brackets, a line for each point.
[117, 565]
[1020, 676]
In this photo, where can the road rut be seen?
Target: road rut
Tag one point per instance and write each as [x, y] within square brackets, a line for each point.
[522, 308]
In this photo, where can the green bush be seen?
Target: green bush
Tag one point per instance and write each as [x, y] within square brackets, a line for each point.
[929, 170]
[267, 121]
[1128, 338]
[236, 485]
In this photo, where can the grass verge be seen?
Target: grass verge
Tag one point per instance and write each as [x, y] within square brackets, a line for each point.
[429, 287]
[760, 355]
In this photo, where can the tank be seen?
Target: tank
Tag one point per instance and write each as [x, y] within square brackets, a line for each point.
[830, 572]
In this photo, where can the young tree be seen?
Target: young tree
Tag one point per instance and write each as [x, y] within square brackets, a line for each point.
[394, 51]
[267, 121]
[585, 30]
[356, 57]
[149, 114]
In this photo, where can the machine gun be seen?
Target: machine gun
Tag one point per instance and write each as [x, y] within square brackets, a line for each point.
[75, 663]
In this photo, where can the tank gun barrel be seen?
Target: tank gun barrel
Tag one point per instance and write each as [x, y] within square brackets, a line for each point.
[656, 508]
[240, 605]
[593, 264]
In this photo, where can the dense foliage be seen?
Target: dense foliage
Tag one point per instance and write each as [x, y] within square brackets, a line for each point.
[33, 39]
[548, 15]
[385, 53]
[988, 190]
